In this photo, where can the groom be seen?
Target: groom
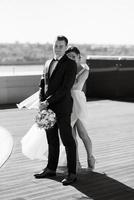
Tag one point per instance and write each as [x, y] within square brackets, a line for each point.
[55, 93]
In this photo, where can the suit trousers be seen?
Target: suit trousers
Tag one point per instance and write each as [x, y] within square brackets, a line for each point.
[63, 124]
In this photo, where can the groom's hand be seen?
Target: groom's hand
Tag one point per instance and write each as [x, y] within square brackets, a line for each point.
[43, 105]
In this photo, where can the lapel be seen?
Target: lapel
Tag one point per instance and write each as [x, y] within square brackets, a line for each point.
[47, 66]
[46, 71]
[49, 62]
[59, 65]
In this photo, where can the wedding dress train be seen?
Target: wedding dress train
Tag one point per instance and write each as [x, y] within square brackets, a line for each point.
[6, 145]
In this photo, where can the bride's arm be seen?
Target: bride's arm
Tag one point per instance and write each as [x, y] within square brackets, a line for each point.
[83, 75]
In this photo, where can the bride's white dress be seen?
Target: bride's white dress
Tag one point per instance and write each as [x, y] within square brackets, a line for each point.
[31, 102]
[6, 145]
[34, 143]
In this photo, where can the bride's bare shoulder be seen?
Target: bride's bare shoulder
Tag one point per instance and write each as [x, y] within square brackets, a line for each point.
[85, 66]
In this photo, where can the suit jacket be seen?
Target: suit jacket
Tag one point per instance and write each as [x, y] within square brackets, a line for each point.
[59, 84]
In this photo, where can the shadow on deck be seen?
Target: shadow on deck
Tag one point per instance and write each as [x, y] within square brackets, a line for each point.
[111, 130]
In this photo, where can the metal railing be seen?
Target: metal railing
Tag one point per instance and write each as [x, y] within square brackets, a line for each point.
[110, 77]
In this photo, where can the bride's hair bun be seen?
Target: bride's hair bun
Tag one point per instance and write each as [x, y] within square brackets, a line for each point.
[73, 49]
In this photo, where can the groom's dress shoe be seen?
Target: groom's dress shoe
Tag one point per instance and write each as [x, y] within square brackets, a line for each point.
[71, 178]
[45, 174]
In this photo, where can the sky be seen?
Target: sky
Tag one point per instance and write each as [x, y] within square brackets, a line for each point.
[81, 21]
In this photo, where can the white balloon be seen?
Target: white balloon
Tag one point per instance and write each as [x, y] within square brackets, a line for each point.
[6, 145]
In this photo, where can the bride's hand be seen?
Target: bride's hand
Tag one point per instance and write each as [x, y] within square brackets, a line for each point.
[83, 60]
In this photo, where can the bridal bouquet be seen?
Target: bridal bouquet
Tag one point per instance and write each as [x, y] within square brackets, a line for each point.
[45, 119]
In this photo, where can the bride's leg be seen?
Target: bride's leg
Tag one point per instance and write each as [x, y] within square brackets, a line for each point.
[82, 132]
[78, 165]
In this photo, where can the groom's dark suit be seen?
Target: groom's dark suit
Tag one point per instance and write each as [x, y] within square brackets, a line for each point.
[60, 101]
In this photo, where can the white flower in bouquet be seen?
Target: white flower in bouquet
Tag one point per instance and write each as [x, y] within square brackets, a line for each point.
[45, 119]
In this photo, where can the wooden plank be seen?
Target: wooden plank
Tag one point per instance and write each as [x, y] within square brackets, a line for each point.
[111, 130]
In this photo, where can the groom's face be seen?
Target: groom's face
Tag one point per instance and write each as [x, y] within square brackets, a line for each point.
[59, 48]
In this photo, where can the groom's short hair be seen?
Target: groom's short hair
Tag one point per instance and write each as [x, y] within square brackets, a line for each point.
[62, 38]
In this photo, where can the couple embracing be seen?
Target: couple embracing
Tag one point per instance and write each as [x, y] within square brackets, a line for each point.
[63, 78]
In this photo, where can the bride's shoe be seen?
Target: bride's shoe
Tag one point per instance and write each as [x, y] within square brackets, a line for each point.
[91, 162]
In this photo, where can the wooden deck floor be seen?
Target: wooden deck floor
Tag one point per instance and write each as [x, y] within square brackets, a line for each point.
[111, 128]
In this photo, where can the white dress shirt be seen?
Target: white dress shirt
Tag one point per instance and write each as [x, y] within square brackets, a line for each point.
[54, 64]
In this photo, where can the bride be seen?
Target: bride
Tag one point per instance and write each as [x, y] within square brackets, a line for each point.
[79, 120]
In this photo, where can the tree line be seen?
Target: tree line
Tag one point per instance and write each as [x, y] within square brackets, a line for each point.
[27, 53]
